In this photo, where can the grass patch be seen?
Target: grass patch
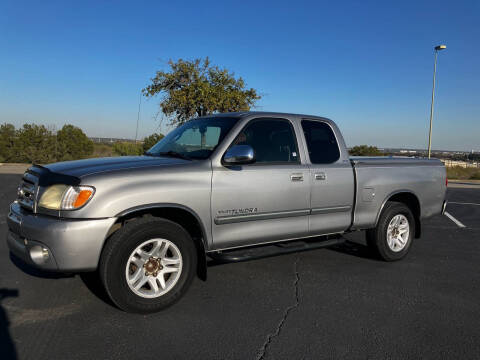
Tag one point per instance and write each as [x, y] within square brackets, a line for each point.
[102, 150]
[461, 173]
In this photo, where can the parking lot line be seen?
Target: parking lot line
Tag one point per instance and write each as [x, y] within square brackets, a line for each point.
[463, 203]
[458, 223]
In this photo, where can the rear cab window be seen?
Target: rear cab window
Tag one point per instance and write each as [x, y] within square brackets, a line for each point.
[321, 142]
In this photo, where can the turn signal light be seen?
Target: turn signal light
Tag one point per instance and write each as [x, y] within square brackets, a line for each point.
[76, 196]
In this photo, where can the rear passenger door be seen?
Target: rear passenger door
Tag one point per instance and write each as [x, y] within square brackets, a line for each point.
[265, 201]
[332, 181]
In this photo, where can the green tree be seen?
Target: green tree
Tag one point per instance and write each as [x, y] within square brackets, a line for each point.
[35, 144]
[365, 150]
[151, 140]
[72, 144]
[124, 148]
[198, 88]
[7, 143]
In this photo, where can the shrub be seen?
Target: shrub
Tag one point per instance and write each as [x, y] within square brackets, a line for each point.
[72, 144]
[127, 148]
[34, 144]
[7, 143]
[151, 140]
[365, 150]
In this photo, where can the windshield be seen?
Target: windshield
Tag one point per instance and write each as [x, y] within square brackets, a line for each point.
[196, 139]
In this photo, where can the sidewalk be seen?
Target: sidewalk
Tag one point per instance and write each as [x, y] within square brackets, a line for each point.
[13, 168]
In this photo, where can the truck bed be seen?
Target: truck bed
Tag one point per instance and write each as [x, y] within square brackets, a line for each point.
[379, 178]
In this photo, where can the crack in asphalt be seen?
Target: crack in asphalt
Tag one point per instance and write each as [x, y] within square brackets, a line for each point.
[263, 351]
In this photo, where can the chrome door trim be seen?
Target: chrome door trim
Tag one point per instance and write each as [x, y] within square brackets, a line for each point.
[329, 210]
[220, 220]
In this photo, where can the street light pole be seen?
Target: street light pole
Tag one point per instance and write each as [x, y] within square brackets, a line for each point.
[437, 49]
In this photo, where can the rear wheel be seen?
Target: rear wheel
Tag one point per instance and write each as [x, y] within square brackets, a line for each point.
[393, 236]
[148, 265]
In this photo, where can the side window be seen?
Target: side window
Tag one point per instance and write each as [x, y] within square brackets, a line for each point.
[273, 140]
[321, 142]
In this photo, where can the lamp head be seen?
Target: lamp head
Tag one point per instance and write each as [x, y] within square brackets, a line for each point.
[440, 47]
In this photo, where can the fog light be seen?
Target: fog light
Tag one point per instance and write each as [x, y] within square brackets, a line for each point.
[39, 254]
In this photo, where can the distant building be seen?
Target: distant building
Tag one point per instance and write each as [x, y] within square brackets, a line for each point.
[101, 140]
[460, 163]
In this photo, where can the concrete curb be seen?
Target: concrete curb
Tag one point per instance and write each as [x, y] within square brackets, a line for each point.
[464, 184]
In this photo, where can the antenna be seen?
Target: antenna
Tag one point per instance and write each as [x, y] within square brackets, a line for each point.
[138, 116]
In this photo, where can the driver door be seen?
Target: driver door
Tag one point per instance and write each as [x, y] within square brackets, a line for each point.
[268, 200]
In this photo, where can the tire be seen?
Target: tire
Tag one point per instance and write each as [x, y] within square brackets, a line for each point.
[391, 244]
[143, 252]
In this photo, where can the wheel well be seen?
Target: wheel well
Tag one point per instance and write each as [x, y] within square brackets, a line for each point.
[413, 204]
[180, 216]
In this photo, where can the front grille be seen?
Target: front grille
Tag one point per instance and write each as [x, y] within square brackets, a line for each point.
[27, 191]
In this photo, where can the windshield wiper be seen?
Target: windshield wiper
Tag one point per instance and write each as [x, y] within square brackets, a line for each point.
[175, 155]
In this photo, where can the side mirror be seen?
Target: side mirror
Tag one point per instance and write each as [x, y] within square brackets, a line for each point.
[239, 154]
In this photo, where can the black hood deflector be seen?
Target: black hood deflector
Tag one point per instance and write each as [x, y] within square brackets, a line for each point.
[47, 177]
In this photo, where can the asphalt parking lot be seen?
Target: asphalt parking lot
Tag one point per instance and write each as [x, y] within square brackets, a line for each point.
[328, 303]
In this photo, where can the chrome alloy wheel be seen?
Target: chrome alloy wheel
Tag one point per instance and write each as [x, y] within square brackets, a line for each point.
[398, 232]
[154, 268]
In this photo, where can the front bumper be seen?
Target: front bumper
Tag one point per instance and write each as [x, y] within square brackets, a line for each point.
[56, 244]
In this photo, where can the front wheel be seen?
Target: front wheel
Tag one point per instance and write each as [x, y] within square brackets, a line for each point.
[148, 265]
[393, 236]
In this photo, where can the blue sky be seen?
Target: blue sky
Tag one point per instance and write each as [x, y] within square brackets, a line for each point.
[366, 64]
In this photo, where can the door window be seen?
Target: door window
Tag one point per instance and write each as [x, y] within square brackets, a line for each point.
[321, 142]
[273, 140]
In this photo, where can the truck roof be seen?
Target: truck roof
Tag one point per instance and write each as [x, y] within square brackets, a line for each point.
[242, 114]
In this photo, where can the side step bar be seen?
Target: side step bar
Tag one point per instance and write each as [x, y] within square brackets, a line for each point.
[268, 250]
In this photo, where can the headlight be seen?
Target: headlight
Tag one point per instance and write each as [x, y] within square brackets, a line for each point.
[64, 197]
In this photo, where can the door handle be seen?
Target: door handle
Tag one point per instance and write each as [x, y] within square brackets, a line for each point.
[296, 177]
[320, 176]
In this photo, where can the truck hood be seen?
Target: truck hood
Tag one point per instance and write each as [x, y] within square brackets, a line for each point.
[80, 168]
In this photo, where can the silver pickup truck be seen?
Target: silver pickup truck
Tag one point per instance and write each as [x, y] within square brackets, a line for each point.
[214, 186]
